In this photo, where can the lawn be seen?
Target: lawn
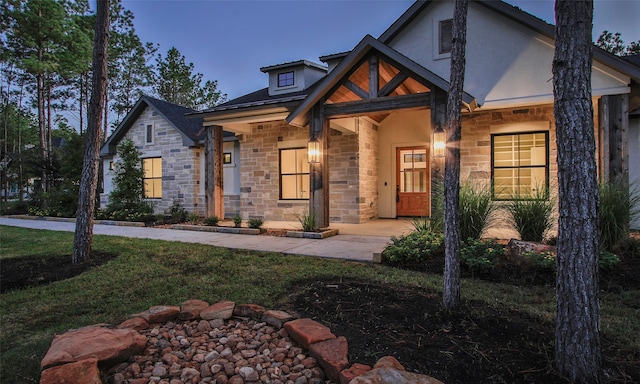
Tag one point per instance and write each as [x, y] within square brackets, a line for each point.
[379, 309]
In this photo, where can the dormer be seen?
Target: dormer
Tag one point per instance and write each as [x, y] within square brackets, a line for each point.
[333, 60]
[292, 77]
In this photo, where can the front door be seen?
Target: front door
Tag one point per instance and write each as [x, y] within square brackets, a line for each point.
[412, 182]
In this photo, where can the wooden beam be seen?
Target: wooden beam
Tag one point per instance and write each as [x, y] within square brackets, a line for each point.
[214, 172]
[380, 104]
[614, 137]
[319, 172]
[353, 87]
[374, 80]
[393, 84]
[208, 172]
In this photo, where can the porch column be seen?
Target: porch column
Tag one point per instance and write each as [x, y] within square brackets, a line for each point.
[438, 106]
[214, 180]
[613, 113]
[319, 172]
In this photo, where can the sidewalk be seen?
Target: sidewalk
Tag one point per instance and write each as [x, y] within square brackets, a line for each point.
[350, 244]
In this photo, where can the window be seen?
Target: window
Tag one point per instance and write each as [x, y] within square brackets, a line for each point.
[152, 167]
[226, 158]
[520, 165]
[294, 173]
[149, 133]
[285, 79]
[111, 166]
[445, 36]
[413, 170]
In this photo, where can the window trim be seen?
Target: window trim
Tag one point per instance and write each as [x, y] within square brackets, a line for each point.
[149, 133]
[280, 174]
[546, 165]
[284, 81]
[144, 179]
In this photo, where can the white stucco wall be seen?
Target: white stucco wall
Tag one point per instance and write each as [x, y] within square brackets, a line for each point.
[515, 62]
[634, 160]
[399, 129]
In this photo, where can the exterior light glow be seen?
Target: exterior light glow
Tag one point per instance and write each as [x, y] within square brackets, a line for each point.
[313, 148]
[439, 142]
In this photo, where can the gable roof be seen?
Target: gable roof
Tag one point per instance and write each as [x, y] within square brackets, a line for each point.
[514, 13]
[191, 130]
[366, 45]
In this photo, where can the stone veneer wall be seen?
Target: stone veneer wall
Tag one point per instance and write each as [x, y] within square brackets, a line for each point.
[368, 159]
[260, 181]
[260, 173]
[181, 166]
[475, 151]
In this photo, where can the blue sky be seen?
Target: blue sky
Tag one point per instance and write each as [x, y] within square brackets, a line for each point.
[229, 41]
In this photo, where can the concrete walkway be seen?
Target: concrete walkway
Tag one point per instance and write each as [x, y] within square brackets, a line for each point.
[358, 242]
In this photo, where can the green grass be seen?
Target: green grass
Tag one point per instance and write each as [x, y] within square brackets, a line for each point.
[152, 272]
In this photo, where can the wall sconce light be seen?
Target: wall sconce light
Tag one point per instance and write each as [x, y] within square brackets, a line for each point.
[313, 148]
[439, 142]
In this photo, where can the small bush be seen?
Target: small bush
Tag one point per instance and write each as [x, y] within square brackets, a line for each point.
[255, 222]
[237, 221]
[414, 248]
[619, 204]
[422, 224]
[15, 208]
[178, 214]
[477, 209]
[546, 261]
[193, 218]
[211, 221]
[308, 222]
[531, 217]
[480, 256]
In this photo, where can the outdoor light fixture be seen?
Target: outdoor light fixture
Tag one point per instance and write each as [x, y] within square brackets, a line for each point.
[439, 142]
[313, 147]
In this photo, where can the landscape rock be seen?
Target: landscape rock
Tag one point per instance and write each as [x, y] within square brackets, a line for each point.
[253, 311]
[332, 356]
[276, 318]
[137, 323]
[159, 314]
[191, 309]
[220, 310]
[389, 371]
[518, 247]
[306, 331]
[355, 370]
[80, 372]
[107, 345]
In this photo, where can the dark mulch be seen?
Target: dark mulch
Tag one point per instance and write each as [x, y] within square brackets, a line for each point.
[475, 344]
[31, 271]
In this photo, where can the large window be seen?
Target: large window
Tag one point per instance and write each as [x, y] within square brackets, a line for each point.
[520, 165]
[152, 177]
[294, 173]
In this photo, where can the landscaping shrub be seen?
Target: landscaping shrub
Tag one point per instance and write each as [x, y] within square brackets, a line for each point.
[308, 222]
[255, 222]
[480, 256]
[237, 221]
[193, 218]
[211, 221]
[619, 204]
[437, 206]
[531, 217]
[477, 210]
[413, 249]
[178, 214]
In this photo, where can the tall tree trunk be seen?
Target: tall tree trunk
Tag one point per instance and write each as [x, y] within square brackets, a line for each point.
[42, 132]
[89, 179]
[578, 309]
[453, 128]
[80, 102]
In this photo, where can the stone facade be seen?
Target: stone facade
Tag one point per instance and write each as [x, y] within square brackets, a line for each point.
[181, 166]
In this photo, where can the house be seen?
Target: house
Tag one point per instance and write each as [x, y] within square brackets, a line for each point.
[352, 140]
[173, 157]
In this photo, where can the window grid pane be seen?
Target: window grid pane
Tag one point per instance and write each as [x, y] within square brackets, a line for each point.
[520, 165]
[152, 168]
[294, 174]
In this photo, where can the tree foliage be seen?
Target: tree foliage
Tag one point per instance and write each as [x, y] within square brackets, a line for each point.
[176, 83]
[127, 195]
[613, 43]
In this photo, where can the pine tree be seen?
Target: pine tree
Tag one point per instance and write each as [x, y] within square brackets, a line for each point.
[577, 341]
